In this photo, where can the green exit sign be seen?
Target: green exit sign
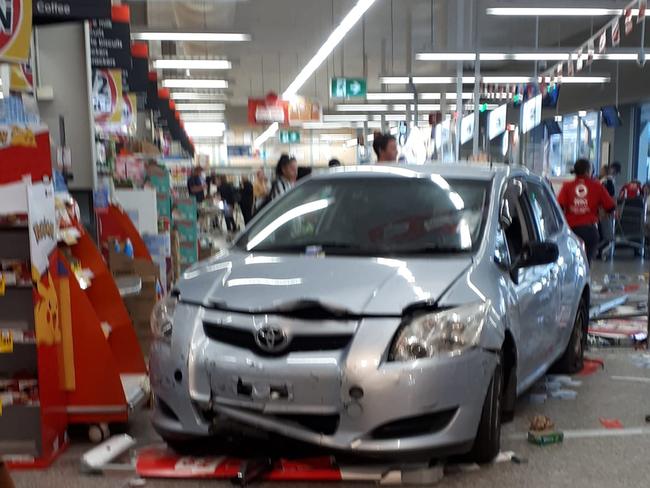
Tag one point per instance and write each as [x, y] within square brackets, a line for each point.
[348, 88]
[289, 137]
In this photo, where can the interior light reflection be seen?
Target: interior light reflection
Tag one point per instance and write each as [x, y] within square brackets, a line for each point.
[287, 217]
[263, 282]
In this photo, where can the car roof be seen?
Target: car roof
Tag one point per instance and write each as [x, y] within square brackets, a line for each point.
[461, 170]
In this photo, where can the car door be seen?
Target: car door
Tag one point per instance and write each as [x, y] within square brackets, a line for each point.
[551, 277]
[527, 310]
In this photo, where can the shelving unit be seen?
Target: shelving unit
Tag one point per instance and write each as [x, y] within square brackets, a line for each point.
[32, 401]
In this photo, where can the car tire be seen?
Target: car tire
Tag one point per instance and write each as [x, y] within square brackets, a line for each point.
[572, 361]
[488, 438]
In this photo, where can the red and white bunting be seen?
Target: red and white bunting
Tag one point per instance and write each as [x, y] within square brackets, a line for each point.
[602, 42]
[579, 59]
[628, 21]
[643, 5]
[590, 52]
[616, 32]
[569, 70]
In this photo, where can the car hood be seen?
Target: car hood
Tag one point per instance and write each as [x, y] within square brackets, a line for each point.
[255, 283]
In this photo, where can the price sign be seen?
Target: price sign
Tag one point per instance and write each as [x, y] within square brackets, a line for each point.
[6, 342]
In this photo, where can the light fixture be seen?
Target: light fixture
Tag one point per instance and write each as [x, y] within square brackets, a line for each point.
[469, 80]
[345, 118]
[200, 107]
[192, 64]
[205, 129]
[554, 11]
[362, 108]
[390, 96]
[558, 118]
[194, 83]
[264, 136]
[394, 80]
[328, 46]
[326, 125]
[197, 96]
[582, 113]
[523, 56]
[334, 137]
[202, 117]
[190, 36]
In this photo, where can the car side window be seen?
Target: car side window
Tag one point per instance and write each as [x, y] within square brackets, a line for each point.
[515, 221]
[542, 207]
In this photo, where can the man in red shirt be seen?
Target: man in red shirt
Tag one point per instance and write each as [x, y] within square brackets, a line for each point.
[581, 199]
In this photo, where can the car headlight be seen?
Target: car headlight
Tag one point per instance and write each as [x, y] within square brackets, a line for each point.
[444, 332]
[162, 317]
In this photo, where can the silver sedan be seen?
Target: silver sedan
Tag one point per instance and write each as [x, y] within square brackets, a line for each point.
[381, 311]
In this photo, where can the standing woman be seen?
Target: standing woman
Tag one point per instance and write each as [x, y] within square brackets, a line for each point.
[581, 199]
[286, 173]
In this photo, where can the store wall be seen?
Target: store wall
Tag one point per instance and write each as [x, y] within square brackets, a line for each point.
[62, 65]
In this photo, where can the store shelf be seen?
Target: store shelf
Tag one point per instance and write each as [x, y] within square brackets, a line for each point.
[21, 431]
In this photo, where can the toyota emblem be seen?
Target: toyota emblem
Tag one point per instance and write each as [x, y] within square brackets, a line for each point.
[271, 339]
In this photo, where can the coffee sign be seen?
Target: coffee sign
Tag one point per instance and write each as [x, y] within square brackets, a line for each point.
[49, 11]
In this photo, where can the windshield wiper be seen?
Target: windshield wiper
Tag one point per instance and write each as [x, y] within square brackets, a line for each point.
[332, 247]
[430, 250]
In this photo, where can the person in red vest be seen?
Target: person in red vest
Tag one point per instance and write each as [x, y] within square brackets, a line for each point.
[581, 200]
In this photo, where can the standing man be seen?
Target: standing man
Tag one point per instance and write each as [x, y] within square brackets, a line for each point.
[581, 199]
[247, 198]
[196, 184]
[385, 146]
[229, 196]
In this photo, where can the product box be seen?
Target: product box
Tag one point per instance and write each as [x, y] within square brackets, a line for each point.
[185, 209]
[188, 231]
[164, 205]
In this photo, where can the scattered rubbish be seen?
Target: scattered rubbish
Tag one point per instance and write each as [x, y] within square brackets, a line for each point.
[537, 398]
[424, 476]
[504, 457]
[135, 482]
[542, 431]
[564, 394]
[611, 423]
[519, 460]
[100, 456]
[591, 366]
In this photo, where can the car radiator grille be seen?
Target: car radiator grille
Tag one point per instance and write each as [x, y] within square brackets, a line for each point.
[245, 339]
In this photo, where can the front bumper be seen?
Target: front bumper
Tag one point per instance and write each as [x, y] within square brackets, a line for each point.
[427, 405]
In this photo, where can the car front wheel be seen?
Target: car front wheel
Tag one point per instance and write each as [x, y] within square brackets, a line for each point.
[488, 438]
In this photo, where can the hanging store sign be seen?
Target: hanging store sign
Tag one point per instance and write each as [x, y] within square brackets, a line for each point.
[21, 78]
[107, 96]
[348, 88]
[15, 30]
[50, 11]
[302, 109]
[497, 121]
[136, 78]
[110, 40]
[268, 110]
[467, 128]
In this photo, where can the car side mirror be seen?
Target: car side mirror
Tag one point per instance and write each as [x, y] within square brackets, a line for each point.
[537, 254]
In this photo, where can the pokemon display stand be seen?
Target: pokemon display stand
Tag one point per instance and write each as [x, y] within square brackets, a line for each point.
[107, 376]
[33, 421]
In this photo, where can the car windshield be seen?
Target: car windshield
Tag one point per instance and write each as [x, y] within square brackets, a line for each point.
[373, 216]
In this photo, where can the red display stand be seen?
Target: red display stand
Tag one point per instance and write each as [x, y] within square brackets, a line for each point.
[114, 223]
[32, 399]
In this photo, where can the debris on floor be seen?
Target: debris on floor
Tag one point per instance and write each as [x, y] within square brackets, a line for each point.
[542, 431]
[554, 386]
[611, 423]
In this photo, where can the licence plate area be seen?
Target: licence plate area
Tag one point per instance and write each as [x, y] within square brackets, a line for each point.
[277, 385]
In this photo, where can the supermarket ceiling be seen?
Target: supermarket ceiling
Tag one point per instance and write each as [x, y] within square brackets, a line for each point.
[285, 34]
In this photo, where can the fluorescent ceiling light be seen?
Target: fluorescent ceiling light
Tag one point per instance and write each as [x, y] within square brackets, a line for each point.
[555, 11]
[345, 118]
[202, 116]
[194, 83]
[326, 125]
[362, 108]
[529, 56]
[394, 80]
[192, 64]
[390, 96]
[433, 80]
[200, 107]
[264, 136]
[328, 46]
[197, 96]
[205, 129]
[469, 80]
[334, 137]
[585, 79]
[190, 36]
